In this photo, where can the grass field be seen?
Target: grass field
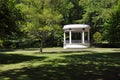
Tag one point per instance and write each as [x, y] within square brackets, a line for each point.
[60, 64]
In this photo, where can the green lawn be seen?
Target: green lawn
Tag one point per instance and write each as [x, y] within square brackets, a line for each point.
[60, 64]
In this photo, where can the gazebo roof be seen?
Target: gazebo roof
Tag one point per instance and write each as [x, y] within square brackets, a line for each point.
[76, 26]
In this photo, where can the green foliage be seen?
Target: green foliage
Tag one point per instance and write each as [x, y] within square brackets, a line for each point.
[1, 43]
[10, 17]
[113, 25]
[97, 37]
[71, 11]
[41, 19]
[96, 12]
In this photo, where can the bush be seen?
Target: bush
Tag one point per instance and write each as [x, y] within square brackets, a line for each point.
[97, 37]
[106, 45]
[1, 43]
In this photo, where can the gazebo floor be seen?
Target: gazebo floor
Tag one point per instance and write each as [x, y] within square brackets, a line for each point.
[76, 45]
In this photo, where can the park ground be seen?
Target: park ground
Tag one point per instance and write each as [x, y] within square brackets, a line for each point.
[60, 64]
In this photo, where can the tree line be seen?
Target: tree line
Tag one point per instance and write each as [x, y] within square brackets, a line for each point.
[41, 21]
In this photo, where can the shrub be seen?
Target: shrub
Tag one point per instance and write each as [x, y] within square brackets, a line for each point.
[97, 37]
[1, 43]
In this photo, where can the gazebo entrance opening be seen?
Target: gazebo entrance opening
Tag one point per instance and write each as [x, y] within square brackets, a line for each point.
[76, 36]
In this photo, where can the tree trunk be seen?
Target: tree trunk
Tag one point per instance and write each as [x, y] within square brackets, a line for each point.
[43, 37]
[41, 49]
[41, 46]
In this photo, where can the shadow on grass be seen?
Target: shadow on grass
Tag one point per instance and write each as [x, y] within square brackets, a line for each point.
[30, 49]
[6, 50]
[66, 51]
[16, 58]
[25, 49]
[95, 66]
[116, 49]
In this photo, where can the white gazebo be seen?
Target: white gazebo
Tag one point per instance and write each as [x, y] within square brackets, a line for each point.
[76, 36]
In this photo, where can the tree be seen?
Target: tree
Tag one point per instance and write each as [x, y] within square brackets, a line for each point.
[10, 17]
[96, 12]
[71, 11]
[40, 18]
[113, 25]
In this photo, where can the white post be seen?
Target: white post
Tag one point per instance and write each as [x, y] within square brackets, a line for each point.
[64, 37]
[88, 36]
[70, 37]
[83, 38]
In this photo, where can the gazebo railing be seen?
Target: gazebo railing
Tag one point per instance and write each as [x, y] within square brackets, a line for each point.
[76, 41]
[67, 41]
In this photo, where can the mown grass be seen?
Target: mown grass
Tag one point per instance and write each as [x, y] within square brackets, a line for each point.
[60, 64]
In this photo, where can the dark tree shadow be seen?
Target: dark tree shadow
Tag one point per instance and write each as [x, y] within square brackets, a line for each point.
[66, 51]
[16, 58]
[116, 49]
[25, 49]
[91, 66]
[6, 50]
[31, 49]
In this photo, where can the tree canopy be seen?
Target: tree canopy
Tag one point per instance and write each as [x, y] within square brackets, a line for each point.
[113, 25]
[42, 20]
[10, 17]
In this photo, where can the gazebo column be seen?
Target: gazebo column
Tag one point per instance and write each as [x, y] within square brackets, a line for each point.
[64, 37]
[83, 38]
[70, 37]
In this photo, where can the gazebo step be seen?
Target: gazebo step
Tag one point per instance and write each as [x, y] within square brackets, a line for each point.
[76, 46]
